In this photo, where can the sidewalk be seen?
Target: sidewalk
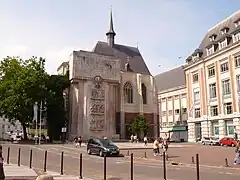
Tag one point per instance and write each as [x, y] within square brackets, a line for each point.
[14, 172]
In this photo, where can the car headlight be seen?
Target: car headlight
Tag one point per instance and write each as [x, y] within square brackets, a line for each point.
[106, 149]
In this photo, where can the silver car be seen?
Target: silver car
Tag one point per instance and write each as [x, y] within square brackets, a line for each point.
[210, 141]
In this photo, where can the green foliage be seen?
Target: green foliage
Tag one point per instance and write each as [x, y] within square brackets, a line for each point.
[139, 125]
[22, 82]
[56, 119]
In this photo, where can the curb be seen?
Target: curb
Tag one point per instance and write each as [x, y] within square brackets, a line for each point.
[174, 163]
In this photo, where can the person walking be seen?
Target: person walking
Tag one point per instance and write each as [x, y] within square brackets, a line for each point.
[237, 157]
[156, 147]
[145, 140]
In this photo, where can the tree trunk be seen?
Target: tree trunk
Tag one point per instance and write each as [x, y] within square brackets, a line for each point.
[25, 137]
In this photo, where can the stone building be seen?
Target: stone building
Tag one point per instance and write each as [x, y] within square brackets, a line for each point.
[172, 99]
[110, 86]
[213, 82]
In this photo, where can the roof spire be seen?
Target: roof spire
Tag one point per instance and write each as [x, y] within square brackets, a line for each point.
[110, 34]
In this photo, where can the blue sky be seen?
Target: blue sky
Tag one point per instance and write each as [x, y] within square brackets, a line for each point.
[165, 29]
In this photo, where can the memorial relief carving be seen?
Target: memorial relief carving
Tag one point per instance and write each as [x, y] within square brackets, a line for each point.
[97, 105]
[97, 123]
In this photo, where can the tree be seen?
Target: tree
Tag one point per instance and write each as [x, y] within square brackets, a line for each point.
[139, 125]
[56, 119]
[22, 83]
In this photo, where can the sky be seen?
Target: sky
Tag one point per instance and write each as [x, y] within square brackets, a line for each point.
[165, 31]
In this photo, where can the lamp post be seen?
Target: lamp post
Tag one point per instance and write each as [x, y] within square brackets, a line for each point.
[40, 119]
[35, 110]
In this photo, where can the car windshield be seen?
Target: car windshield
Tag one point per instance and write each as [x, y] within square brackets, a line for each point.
[106, 142]
[214, 138]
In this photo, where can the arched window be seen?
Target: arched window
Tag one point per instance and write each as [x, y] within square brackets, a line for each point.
[144, 94]
[128, 92]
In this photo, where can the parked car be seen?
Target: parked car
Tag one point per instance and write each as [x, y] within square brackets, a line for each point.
[102, 147]
[228, 141]
[210, 141]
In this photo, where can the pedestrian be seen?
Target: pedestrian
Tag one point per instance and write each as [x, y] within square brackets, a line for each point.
[135, 138]
[2, 175]
[80, 141]
[237, 157]
[132, 138]
[75, 141]
[145, 140]
[156, 147]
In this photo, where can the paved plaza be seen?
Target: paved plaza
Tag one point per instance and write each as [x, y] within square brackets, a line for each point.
[119, 167]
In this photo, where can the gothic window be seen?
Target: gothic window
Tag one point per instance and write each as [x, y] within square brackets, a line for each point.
[128, 93]
[144, 94]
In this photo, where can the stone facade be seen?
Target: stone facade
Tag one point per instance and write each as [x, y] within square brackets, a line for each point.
[97, 101]
[110, 86]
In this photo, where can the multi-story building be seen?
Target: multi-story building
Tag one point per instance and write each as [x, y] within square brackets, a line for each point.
[172, 100]
[213, 82]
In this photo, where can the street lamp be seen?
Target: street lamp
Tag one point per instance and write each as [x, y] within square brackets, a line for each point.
[40, 119]
[35, 111]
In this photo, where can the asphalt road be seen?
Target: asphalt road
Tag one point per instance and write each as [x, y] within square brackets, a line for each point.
[118, 168]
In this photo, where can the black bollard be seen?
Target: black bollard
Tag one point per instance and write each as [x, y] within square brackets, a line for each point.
[105, 168]
[2, 175]
[197, 166]
[131, 166]
[226, 162]
[45, 162]
[19, 156]
[8, 155]
[61, 168]
[164, 166]
[145, 154]
[127, 153]
[193, 160]
[30, 159]
[80, 167]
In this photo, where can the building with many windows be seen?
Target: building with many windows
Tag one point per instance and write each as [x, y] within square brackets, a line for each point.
[172, 100]
[213, 82]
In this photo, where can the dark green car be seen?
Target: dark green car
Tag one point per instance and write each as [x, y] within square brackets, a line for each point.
[102, 147]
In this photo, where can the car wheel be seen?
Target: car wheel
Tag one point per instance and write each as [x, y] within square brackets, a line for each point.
[232, 144]
[221, 144]
[101, 153]
[203, 143]
[89, 151]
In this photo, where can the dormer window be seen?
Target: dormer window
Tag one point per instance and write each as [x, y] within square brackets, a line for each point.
[236, 37]
[223, 44]
[212, 37]
[224, 30]
[237, 23]
[210, 50]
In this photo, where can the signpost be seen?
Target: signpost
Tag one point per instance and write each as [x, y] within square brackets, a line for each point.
[64, 131]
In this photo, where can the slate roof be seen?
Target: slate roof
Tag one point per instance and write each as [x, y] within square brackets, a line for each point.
[170, 79]
[127, 54]
[216, 30]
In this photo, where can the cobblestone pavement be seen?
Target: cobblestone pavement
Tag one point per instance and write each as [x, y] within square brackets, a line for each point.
[118, 167]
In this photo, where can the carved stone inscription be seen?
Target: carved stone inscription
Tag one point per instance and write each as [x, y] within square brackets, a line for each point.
[97, 109]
